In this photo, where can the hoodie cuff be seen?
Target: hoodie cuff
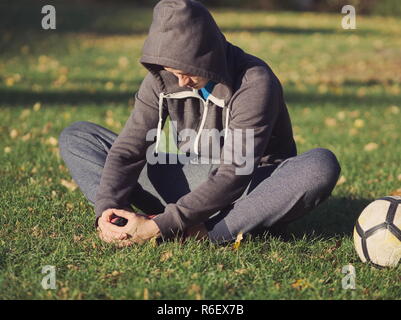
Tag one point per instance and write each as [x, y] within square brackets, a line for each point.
[169, 223]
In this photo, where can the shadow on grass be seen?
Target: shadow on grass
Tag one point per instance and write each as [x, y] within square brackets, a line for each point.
[15, 97]
[311, 99]
[335, 217]
[289, 30]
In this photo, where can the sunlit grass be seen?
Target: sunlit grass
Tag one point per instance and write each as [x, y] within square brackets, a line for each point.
[343, 93]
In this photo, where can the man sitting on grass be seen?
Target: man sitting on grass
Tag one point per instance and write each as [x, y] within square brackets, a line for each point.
[217, 98]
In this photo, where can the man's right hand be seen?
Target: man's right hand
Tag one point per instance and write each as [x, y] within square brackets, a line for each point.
[104, 230]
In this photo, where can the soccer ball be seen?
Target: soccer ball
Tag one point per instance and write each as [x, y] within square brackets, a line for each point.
[377, 233]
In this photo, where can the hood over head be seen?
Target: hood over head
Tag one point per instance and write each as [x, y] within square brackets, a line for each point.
[183, 35]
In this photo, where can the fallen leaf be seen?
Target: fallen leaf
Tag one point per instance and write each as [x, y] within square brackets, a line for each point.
[52, 141]
[25, 113]
[70, 185]
[341, 115]
[330, 122]
[123, 62]
[113, 274]
[371, 146]
[300, 284]
[299, 139]
[153, 242]
[46, 128]
[335, 247]
[354, 114]
[77, 238]
[394, 110]
[109, 85]
[353, 131]
[241, 271]
[36, 106]
[110, 122]
[13, 133]
[72, 267]
[166, 255]
[145, 294]
[26, 137]
[195, 290]
[238, 241]
[341, 180]
[359, 123]
[7, 150]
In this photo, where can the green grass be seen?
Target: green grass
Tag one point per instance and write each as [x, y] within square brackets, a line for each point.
[343, 92]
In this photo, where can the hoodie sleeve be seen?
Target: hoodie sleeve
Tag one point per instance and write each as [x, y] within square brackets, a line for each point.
[127, 156]
[255, 106]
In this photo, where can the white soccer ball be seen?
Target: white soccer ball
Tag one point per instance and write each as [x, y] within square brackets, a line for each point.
[377, 232]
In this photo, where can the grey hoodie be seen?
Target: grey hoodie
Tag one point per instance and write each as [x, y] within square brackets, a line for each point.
[247, 95]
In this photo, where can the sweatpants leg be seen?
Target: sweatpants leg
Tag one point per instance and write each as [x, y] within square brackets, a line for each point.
[294, 188]
[84, 147]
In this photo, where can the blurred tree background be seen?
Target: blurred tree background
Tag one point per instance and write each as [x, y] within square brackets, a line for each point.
[374, 7]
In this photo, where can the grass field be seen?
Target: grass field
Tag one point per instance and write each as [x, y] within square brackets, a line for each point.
[343, 91]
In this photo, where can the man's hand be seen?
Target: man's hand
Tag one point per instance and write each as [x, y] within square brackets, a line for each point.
[138, 229]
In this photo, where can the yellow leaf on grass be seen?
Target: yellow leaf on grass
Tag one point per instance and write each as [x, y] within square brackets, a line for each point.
[145, 294]
[300, 284]
[166, 255]
[341, 115]
[238, 241]
[26, 137]
[25, 113]
[371, 146]
[153, 242]
[36, 106]
[330, 122]
[341, 180]
[52, 141]
[46, 128]
[7, 150]
[241, 271]
[70, 185]
[123, 62]
[195, 290]
[13, 133]
[109, 85]
[399, 177]
[359, 123]
[299, 139]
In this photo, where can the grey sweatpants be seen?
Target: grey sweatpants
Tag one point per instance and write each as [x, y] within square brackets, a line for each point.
[276, 194]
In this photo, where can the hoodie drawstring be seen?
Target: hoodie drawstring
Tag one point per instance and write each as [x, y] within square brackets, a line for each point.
[159, 124]
[182, 95]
